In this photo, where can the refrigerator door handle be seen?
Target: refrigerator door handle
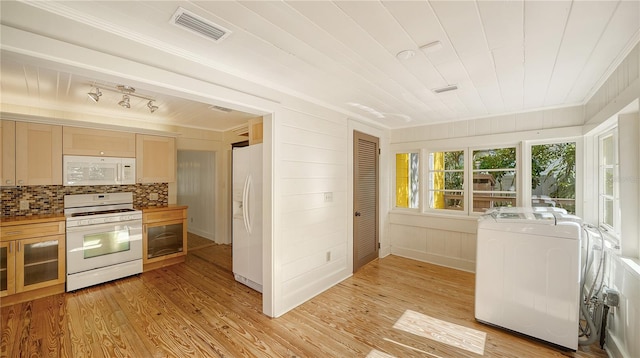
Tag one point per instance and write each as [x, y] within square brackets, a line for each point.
[245, 204]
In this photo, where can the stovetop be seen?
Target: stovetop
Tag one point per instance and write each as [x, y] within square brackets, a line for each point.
[93, 209]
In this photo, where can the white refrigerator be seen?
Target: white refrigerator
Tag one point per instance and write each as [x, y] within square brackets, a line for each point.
[247, 216]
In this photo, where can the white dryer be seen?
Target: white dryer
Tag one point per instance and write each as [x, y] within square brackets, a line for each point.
[528, 273]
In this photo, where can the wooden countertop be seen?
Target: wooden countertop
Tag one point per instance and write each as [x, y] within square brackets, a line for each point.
[150, 209]
[34, 219]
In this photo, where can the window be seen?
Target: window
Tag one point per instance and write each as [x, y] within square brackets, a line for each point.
[407, 180]
[446, 180]
[553, 175]
[494, 178]
[607, 187]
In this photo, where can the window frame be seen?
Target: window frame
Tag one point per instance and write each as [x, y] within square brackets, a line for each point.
[419, 152]
[612, 230]
[516, 169]
[527, 173]
[427, 187]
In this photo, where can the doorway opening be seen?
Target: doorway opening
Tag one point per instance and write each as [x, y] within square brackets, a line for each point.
[196, 189]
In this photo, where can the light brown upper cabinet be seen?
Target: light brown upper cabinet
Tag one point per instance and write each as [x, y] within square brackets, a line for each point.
[37, 154]
[255, 131]
[155, 159]
[8, 155]
[97, 142]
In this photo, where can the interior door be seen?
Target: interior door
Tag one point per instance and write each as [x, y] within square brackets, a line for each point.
[365, 199]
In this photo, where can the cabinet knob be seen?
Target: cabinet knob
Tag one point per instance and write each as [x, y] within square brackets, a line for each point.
[101, 153]
[8, 181]
[20, 181]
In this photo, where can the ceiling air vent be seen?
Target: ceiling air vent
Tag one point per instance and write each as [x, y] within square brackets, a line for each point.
[199, 25]
[446, 89]
[220, 109]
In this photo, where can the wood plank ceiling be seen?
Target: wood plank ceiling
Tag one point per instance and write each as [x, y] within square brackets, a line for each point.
[504, 56]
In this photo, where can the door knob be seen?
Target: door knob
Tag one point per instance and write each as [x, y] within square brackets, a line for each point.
[357, 213]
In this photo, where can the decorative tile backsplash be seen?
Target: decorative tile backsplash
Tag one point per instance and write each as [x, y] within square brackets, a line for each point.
[49, 199]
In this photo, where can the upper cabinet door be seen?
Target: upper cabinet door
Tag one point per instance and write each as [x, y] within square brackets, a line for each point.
[8, 153]
[97, 142]
[155, 159]
[38, 154]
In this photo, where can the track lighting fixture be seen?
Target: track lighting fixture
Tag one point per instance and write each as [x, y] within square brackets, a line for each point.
[151, 107]
[125, 101]
[95, 96]
[127, 92]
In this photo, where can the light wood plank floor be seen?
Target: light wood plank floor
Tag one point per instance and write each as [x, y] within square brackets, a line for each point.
[196, 309]
[195, 242]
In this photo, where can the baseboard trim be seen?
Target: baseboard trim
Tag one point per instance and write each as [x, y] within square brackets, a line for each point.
[446, 261]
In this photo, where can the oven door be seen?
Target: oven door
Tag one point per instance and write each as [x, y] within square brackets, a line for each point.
[95, 246]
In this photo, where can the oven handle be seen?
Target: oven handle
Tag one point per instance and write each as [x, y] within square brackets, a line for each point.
[134, 224]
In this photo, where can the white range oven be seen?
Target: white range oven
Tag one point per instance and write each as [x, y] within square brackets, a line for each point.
[104, 238]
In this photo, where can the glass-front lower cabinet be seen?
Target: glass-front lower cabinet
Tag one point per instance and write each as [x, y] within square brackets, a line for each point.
[31, 264]
[164, 236]
[7, 268]
[40, 262]
[165, 239]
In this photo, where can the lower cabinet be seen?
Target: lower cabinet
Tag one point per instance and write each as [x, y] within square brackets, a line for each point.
[164, 236]
[32, 261]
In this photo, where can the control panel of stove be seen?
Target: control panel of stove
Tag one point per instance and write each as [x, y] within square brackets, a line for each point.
[103, 219]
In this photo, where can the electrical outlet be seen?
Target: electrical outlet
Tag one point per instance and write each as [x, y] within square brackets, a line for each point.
[328, 256]
[153, 196]
[24, 204]
[328, 197]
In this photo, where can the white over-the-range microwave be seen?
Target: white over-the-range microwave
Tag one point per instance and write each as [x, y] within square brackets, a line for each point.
[86, 170]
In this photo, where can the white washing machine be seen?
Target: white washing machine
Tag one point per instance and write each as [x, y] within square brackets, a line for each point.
[528, 273]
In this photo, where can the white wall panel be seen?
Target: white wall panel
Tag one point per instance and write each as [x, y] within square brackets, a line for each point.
[311, 201]
[620, 89]
[311, 243]
[298, 153]
[196, 189]
[624, 321]
[434, 239]
[437, 242]
[409, 237]
[311, 159]
[313, 170]
[529, 121]
[503, 124]
[535, 120]
[324, 275]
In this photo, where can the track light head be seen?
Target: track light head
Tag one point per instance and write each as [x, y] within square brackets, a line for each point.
[151, 107]
[95, 96]
[125, 101]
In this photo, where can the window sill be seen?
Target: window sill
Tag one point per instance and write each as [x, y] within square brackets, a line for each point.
[632, 265]
[612, 244]
[453, 215]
